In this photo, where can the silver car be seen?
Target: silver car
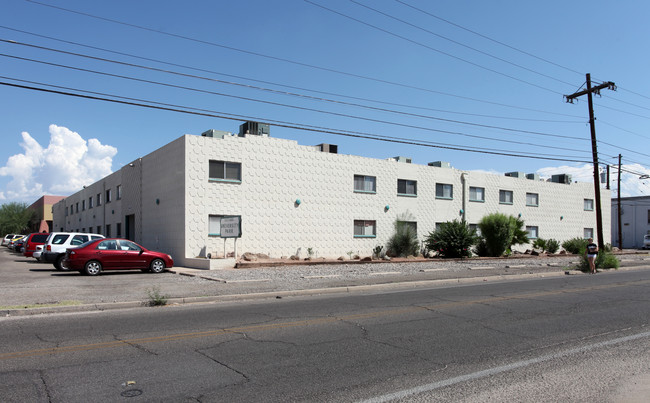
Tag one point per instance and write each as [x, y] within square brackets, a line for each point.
[646, 242]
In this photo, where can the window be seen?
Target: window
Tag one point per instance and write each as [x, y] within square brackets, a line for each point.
[532, 231]
[444, 191]
[128, 245]
[118, 190]
[648, 216]
[476, 228]
[71, 210]
[108, 195]
[108, 230]
[588, 233]
[365, 229]
[78, 240]
[99, 229]
[76, 207]
[66, 211]
[99, 199]
[407, 187]
[589, 204]
[532, 199]
[83, 205]
[409, 224]
[118, 228]
[90, 202]
[439, 225]
[476, 194]
[505, 196]
[225, 171]
[214, 225]
[365, 184]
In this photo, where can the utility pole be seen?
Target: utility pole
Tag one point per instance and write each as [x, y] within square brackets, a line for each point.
[620, 212]
[594, 150]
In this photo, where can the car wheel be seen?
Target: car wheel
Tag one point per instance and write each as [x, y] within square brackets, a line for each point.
[93, 268]
[157, 266]
[58, 263]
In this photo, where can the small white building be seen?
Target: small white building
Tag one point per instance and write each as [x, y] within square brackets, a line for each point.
[293, 198]
[635, 221]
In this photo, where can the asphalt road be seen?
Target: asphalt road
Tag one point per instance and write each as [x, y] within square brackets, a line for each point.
[571, 338]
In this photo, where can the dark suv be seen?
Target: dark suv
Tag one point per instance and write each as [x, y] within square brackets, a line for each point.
[37, 238]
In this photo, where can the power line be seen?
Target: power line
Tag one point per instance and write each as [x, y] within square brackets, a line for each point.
[296, 126]
[312, 90]
[269, 56]
[432, 48]
[460, 43]
[488, 38]
[283, 93]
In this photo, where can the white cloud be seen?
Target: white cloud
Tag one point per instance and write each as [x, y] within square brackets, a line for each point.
[67, 164]
[631, 184]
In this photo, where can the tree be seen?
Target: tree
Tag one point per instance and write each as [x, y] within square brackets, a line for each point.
[16, 218]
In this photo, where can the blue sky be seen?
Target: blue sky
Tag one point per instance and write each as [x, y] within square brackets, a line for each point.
[442, 78]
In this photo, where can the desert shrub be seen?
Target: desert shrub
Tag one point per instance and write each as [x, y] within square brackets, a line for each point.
[575, 245]
[453, 239]
[404, 241]
[552, 245]
[540, 243]
[604, 260]
[500, 232]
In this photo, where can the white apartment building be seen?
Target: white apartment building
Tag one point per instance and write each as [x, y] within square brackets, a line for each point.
[293, 197]
[634, 223]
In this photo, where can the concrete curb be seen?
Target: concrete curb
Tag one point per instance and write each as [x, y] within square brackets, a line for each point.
[287, 293]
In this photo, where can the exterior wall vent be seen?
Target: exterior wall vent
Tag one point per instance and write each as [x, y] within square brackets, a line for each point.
[532, 177]
[255, 128]
[215, 133]
[562, 178]
[402, 159]
[516, 174]
[328, 148]
[440, 164]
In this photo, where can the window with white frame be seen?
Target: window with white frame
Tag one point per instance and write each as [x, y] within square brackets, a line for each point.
[588, 233]
[505, 196]
[476, 228]
[365, 228]
[409, 224]
[589, 204]
[476, 194]
[532, 199]
[532, 231]
[225, 171]
[365, 184]
[407, 187]
[118, 190]
[108, 196]
[99, 199]
[444, 191]
[214, 225]
[90, 202]
[83, 205]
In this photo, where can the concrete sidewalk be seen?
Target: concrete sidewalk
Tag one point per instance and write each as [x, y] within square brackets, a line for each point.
[40, 293]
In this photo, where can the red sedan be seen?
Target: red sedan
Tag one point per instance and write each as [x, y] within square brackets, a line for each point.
[114, 254]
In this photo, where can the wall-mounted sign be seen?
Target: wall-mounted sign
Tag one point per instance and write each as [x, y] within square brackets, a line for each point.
[231, 227]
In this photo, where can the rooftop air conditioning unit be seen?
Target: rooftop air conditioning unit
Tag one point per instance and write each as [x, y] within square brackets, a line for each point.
[402, 159]
[562, 178]
[532, 177]
[516, 174]
[440, 164]
[215, 133]
[328, 148]
[255, 128]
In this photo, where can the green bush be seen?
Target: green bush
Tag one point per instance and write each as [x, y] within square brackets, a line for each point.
[575, 245]
[404, 241]
[499, 233]
[453, 239]
[540, 244]
[604, 260]
[552, 245]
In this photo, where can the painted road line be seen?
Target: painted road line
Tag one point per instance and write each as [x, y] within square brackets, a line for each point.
[383, 273]
[481, 267]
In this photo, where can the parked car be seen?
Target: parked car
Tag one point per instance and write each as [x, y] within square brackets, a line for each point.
[13, 240]
[646, 241]
[18, 244]
[57, 243]
[95, 256]
[33, 240]
[37, 253]
[6, 239]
